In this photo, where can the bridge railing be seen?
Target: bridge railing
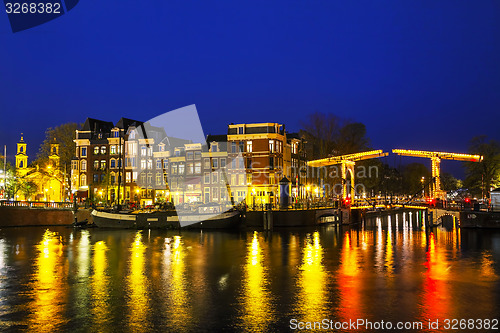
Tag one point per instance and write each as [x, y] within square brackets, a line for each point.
[36, 204]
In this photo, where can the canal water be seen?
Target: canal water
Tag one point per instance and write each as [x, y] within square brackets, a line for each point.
[61, 279]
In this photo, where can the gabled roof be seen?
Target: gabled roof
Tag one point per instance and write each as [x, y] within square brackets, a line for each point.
[97, 125]
[125, 123]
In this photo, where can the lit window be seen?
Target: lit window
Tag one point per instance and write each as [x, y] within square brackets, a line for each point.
[84, 165]
[190, 168]
[103, 164]
[249, 146]
[96, 164]
[112, 149]
[103, 150]
[197, 167]
[150, 164]
[128, 177]
[96, 150]
[242, 179]
[143, 164]
[215, 193]
[181, 168]
[271, 146]
[143, 151]
[83, 180]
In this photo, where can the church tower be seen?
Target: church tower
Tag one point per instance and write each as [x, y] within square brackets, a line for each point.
[21, 156]
[54, 154]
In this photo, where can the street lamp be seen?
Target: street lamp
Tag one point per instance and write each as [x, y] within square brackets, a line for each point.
[423, 188]
[137, 196]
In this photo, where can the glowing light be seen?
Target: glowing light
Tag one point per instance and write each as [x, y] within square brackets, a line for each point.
[349, 284]
[312, 280]
[100, 286]
[47, 315]
[256, 296]
[347, 158]
[137, 285]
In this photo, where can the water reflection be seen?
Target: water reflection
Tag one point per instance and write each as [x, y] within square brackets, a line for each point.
[257, 281]
[177, 304]
[256, 296]
[100, 288]
[137, 286]
[312, 281]
[349, 284]
[48, 306]
[82, 285]
[436, 294]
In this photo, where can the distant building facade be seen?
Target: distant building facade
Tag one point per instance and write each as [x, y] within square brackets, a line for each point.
[246, 165]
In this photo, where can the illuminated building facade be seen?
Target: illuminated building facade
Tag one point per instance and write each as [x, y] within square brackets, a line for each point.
[48, 179]
[262, 147]
[245, 165]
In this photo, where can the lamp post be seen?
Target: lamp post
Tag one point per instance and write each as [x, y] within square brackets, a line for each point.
[137, 191]
[423, 188]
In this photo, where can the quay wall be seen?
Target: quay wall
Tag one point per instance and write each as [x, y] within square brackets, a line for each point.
[24, 216]
[287, 218]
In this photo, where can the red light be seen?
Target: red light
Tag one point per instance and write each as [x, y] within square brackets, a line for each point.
[467, 200]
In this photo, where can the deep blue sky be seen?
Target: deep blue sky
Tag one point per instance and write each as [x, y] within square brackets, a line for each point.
[419, 74]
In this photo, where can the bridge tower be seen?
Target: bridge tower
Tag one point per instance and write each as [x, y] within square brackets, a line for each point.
[436, 158]
[347, 163]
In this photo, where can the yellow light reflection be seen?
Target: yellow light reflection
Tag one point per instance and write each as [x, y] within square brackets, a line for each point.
[100, 288]
[83, 259]
[389, 260]
[137, 286]
[436, 296]
[488, 266]
[350, 286]
[180, 312]
[312, 281]
[256, 297]
[48, 306]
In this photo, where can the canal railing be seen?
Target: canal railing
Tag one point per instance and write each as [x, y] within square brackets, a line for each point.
[37, 204]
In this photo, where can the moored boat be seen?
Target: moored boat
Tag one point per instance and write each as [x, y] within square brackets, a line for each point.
[167, 220]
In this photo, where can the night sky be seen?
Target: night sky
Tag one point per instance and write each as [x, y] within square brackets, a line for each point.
[419, 74]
